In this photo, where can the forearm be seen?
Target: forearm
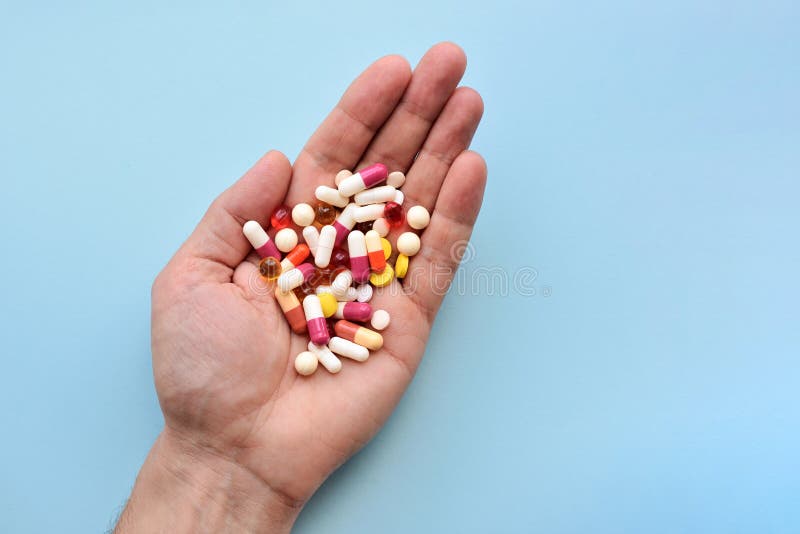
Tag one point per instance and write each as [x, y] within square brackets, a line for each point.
[183, 488]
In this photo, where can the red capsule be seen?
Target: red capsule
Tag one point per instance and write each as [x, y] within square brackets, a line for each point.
[281, 218]
[340, 258]
[394, 214]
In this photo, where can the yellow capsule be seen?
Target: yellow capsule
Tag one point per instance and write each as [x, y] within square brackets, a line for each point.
[401, 265]
[382, 278]
[329, 304]
[387, 248]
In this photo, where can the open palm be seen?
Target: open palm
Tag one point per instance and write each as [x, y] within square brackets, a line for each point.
[222, 351]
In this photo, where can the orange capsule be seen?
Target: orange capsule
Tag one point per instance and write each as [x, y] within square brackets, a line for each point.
[358, 334]
[292, 310]
[377, 259]
[295, 257]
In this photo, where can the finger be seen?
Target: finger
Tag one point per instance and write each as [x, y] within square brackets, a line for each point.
[344, 135]
[432, 83]
[433, 268]
[218, 238]
[449, 137]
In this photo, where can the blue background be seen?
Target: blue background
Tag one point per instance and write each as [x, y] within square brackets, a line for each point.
[644, 160]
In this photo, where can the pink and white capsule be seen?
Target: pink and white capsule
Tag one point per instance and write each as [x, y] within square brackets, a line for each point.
[328, 360]
[344, 223]
[311, 235]
[348, 349]
[331, 196]
[384, 193]
[354, 311]
[359, 262]
[260, 240]
[293, 278]
[317, 329]
[327, 237]
[368, 213]
[363, 179]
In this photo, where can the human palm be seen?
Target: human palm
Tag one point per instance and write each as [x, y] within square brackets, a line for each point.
[222, 351]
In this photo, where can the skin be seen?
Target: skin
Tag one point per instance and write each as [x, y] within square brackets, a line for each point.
[247, 441]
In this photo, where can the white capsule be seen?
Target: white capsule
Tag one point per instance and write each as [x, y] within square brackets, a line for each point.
[384, 193]
[286, 239]
[368, 213]
[303, 214]
[331, 196]
[364, 293]
[348, 349]
[399, 197]
[327, 236]
[396, 179]
[408, 243]
[255, 233]
[418, 217]
[311, 235]
[341, 175]
[328, 359]
[380, 319]
[381, 226]
[290, 279]
[306, 363]
[341, 283]
[349, 296]
[323, 289]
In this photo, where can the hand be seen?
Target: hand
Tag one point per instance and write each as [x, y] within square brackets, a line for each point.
[223, 353]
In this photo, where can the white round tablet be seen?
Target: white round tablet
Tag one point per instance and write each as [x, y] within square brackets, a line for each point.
[408, 243]
[380, 319]
[303, 214]
[418, 217]
[396, 179]
[364, 293]
[286, 239]
[306, 363]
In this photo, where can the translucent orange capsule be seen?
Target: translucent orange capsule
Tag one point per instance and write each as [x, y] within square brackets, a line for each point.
[325, 213]
[270, 268]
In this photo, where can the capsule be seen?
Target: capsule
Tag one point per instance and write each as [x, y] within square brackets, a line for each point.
[377, 257]
[295, 257]
[341, 283]
[311, 235]
[363, 179]
[293, 278]
[328, 359]
[348, 349]
[292, 310]
[376, 195]
[260, 240]
[317, 329]
[399, 198]
[331, 196]
[353, 311]
[344, 223]
[327, 237]
[358, 334]
[359, 264]
[368, 213]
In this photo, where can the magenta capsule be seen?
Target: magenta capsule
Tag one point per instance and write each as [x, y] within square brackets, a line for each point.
[293, 278]
[359, 261]
[344, 223]
[354, 311]
[317, 326]
[260, 240]
[363, 179]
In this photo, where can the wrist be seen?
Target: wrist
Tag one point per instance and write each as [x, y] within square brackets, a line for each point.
[184, 487]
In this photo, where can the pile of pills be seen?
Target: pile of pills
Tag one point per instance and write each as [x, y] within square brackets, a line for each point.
[325, 283]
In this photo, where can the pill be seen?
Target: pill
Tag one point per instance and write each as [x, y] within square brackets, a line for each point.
[327, 236]
[269, 268]
[311, 235]
[306, 363]
[398, 198]
[292, 310]
[396, 179]
[329, 304]
[341, 283]
[340, 258]
[401, 266]
[393, 213]
[303, 214]
[364, 293]
[350, 295]
[293, 278]
[286, 239]
[375, 195]
[341, 175]
[260, 240]
[408, 243]
[297, 256]
[418, 217]
[383, 278]
[324, 213]
[380, 319]
[315, 320]
[281, 217]
[348, 349]
[363, 179]
[369, 213]
[381, 226]
[387, 248]
[358, 334]
[328, 359]
[359, 262]
[377, 259]
[344, 223]
[353, 311]
[319, 290]
[331, 196]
